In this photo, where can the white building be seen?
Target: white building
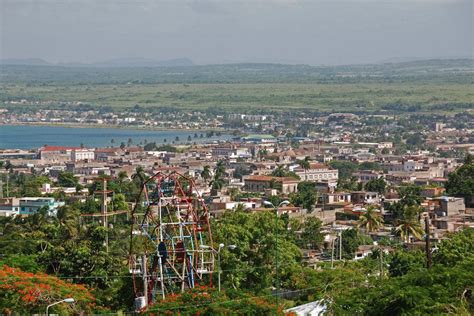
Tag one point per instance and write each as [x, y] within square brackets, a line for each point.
[316, 172]
[82, 154]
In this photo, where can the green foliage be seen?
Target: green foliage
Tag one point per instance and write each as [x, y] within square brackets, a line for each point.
[307, 195]
[259, 238]
[376, 185]
[351, 240]
[412, 289]
[311, 236]
[167, 148]
[461, 182]
[345, 168]
[457, 248]
[402, 262]
[67, 179]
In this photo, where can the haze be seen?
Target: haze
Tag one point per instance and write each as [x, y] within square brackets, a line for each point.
[209, 32]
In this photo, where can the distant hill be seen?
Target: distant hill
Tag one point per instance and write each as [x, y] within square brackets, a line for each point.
[26, 61]
[144, 62]
[117, 62]
[138, 71]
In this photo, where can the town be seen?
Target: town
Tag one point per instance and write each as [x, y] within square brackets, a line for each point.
[347, 188]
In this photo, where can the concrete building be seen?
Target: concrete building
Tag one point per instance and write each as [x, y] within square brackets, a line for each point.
[31, 205]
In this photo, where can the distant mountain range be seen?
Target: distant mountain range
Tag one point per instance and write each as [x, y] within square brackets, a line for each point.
[186, 62]
[117, 62]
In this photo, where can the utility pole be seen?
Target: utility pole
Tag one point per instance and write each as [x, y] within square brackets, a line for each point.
[1, 189]
[145, 279]
[340, 245]
[104, 192]
[8, 180]
[332, 253]
[427, 241]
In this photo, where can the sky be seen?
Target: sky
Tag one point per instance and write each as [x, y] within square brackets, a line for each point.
[315, 32]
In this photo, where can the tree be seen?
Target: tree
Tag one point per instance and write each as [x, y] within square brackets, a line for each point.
[206, 173]
[27, 293]
[371, 220]
[305, 164]
[410, 195]
[311, 237]
[280, 171]
[149, 146]
[402, 262]
[351, 240]
[251, 265]
[409, 224]
[345, 168]
[459, 247]
[307, 195]
[461, 182]
[376, 185]
[139, 175]
[67, 179]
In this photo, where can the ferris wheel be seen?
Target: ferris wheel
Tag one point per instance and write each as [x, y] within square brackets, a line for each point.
[170, 239]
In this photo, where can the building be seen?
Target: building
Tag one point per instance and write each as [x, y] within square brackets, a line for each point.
[446, 206]
[363, 197]
[316, 172]
[259, 139]
[9, 207]
[56, 154]
[82, 154]
[257, 183]
[365, 176]
[31, 205]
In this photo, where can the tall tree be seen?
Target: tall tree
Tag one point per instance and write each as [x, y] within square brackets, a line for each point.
[206, 173]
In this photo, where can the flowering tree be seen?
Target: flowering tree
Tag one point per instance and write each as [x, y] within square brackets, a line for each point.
[204, 300]
[25, 293]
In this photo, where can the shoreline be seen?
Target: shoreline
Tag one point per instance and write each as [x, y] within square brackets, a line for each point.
[118, 127]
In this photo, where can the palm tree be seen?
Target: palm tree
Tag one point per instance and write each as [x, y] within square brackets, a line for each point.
[280, 171]
[409, 224]
[216, 185]
[122, 175]
[305, 164]
[371, 220]
[220, 169]
[206, 173]
[139, 175]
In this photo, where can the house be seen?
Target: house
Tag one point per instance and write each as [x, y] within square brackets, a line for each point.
[364, 251]
[363, 197]
[446, 206]
[9, 207]
[256, 183]
[31, 205]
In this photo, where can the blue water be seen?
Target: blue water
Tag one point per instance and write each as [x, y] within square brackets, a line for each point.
[29, 137]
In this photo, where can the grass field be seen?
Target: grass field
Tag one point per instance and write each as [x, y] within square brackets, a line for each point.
[324, 97]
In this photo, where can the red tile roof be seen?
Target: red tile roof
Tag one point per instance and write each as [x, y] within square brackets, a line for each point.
[57, 148]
